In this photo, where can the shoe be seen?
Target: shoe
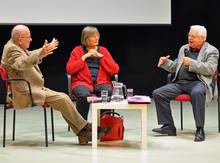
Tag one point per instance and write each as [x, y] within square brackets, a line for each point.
[85, 134]
[199, 136]
[82, 140]
[165, 129]
[102, 131]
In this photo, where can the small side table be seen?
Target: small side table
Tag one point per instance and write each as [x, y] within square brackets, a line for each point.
[119, 105]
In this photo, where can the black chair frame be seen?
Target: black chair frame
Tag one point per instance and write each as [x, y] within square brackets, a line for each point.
[6, 107]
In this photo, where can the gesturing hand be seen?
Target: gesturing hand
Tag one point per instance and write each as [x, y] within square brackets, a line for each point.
[48, 48]
[186, 61]
[162, 60]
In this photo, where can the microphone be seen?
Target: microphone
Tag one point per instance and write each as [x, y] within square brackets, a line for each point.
[186, 52]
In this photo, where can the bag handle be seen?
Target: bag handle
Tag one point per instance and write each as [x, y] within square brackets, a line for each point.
[112, 112]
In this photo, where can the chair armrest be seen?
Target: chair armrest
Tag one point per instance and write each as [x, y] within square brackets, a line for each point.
[116, 77]
[218, 80]
[29, 88]
[69, 80]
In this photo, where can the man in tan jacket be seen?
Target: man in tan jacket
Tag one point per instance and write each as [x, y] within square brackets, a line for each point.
[21, 63]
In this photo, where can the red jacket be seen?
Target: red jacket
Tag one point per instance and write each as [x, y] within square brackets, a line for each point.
[80, 72]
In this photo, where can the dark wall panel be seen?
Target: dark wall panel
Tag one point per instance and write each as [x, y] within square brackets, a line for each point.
[135, 48]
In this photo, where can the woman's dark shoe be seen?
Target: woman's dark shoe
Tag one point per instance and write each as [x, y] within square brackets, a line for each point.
[199, 136]
[165, 129]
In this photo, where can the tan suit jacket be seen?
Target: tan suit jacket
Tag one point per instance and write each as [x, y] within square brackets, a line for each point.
[23, 64]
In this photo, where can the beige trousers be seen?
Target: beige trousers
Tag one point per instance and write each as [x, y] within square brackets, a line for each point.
[61, 102]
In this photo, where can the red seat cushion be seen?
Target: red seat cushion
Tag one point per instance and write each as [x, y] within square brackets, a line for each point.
[182, 97]
[4, 76]
[185, 97]
[10, 104]
[46, 105]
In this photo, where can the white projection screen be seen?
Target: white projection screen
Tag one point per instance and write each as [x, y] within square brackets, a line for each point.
[85, 12]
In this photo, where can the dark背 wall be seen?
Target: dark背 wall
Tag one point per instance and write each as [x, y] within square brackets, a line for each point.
[136, 48]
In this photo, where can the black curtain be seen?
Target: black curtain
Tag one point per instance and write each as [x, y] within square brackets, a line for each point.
[136, 48]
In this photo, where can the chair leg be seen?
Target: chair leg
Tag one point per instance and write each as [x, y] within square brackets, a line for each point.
[219, 115]
[113, 112]
[181, 114]
[219, 120]
[52, 123]
[45, 124]
[4, 126]
[14, 119]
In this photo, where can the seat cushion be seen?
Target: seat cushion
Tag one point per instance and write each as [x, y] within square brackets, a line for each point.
[182, 97]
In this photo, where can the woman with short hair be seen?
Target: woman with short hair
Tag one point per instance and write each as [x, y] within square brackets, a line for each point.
[90, 66]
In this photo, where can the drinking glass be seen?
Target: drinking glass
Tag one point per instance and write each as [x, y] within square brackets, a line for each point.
[130, 92]
[104, 96]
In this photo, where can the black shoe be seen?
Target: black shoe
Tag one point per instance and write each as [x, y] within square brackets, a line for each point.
[165, 129]
[200, 135]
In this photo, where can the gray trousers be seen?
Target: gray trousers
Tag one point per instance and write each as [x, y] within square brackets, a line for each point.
[163, 95]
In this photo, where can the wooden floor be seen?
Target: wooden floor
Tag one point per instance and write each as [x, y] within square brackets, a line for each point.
[29, 144]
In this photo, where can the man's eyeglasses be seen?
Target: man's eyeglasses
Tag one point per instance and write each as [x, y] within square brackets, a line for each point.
[26, 37]
[192, 36]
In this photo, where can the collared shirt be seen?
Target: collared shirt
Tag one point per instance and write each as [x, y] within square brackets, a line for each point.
[197, 48]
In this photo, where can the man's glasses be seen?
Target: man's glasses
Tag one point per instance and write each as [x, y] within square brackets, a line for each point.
[192, 36]
[26, 37]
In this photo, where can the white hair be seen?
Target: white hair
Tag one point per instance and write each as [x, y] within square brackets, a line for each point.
[201, 30]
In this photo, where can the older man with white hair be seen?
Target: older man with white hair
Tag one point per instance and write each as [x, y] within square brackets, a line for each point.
[193, 71]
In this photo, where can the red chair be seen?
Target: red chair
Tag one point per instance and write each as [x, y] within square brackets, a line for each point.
[186, 98]
[10, 106]
[182, 98]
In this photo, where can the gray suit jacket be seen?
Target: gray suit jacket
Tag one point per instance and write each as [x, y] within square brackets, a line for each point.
[205, 67]
[23, 64]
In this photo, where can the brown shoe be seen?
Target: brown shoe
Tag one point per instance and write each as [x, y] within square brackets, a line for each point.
[89, 126]
[82, 140]
[102, 131]
[85, 133]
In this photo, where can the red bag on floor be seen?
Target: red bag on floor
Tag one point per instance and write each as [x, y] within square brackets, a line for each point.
[117, 125]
